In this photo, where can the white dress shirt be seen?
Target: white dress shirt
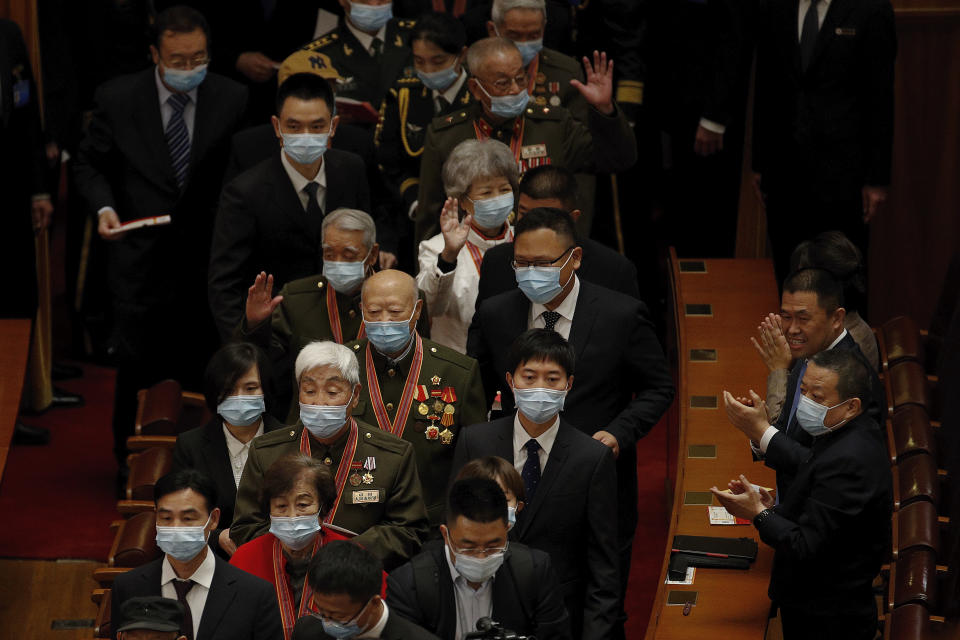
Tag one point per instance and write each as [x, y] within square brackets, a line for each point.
[238, 451]
[197, 596]
[545, 440]
[802, 13]
[535, 319]
[299, 182]
[450, 95]
[366, 40]
[472, 604]
[376, 630]
[451, 297]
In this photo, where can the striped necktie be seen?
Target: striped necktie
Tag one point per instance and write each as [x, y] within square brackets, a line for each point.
[178, 138]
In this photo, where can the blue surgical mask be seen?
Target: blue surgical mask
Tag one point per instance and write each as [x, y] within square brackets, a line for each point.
[507, 106]
[369, 17]
[183, 543]
[389, 336]
[810, 416]
[477, 569]
[241, 411]
[439, 80]
[541, 284]
[345, 277]
[539, 405]
[511, 517]
[183, 80]
[323, 421]
[490, 213]
[296, 532]
[529, 50]
[305, 148]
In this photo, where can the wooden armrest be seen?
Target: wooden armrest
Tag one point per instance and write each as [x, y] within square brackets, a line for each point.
[141, 443]
[98, 594]
[104, 576]
[133, 507]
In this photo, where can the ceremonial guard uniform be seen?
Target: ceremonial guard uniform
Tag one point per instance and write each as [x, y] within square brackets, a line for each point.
[542, 135]
[378, 491]
[366, 77]
[425, 398]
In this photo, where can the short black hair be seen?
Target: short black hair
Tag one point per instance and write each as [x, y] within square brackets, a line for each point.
[345, 567]
[557, 220]
[541, 345]
[187, 479]
[819, 281]
[179, 19]
[477, 499]
[227, 365]
[834, 252]
[443, 30]
[550, 181]
[854, 379]
[306, 86]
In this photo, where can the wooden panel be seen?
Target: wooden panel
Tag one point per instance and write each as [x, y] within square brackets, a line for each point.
[14, 346]
[730, 603]
[34, 594]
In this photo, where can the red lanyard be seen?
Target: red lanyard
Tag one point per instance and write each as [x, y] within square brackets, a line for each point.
[334, 314]
[342, 469]
[406, 400]
[287, 614]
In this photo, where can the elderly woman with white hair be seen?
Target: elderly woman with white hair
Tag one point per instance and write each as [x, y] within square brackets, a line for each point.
[480, 178]
[378, 493]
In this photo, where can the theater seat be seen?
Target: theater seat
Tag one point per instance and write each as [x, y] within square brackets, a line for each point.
[101, 624]
[159, 409]
[916, 525]
[145, 469]
[914, 579]
[133, 545]
[915, 478]
[912, 432]
[907, 384]
[902, 340]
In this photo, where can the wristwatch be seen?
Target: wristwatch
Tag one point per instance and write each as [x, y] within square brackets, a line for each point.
[760, 517]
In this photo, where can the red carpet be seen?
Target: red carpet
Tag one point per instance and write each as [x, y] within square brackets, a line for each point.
[58, 500]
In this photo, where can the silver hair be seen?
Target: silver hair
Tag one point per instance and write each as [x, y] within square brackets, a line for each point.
[323, 353]
[474, 159]
[501, 7]
[480, 50]
[351, 220]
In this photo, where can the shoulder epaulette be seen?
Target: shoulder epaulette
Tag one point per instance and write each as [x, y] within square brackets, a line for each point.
[538, 112]
[381, 439]
[323, 41]
[310, 284]
[448, 355]
[559, 60]
[445, 122]
[406, 24]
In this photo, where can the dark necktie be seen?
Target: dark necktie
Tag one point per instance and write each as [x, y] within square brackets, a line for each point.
[808, 34]
[443, 105]
[376, 47]
[182, 587]
[531, 468]
[178, 138]
[550, 320]
[313, 207]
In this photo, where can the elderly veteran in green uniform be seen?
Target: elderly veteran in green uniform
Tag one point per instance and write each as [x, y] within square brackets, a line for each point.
[378, 490]
[369, 48]
[536, 134]
[416, 389]
[439, 87]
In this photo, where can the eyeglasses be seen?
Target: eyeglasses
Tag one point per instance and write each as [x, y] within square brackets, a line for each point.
[521, 264]
[479, 553]
[353, 618]
[503, 85]
[183, 64]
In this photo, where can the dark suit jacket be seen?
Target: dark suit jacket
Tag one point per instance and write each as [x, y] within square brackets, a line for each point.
[261, 226]
[621, 383]
[239, 606]
[831, 532]
[205, 449]
[397, 628]
[601, 265]
[569, 517]
[829, 129]
[550, 619]
[789, 448]
[124, 162]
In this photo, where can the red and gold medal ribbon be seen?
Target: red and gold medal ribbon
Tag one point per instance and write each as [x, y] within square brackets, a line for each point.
[334, 312]
[482, 129]
[288, 616]
[532, 69]
[406, 400]
[342, 469]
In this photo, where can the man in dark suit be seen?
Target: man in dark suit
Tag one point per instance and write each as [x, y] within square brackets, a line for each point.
[570, 482]
[624, 385]
[831, 532]
[270, 216]
[555, 187]
[823, 118]
[473, 573]
[346, 580]
[157, 145]
[221, 602]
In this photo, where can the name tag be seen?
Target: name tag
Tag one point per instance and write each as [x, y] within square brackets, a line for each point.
[533, 151]
[846, 31]
[367, 496]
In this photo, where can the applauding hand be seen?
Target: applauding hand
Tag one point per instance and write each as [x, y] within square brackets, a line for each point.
[772, 346]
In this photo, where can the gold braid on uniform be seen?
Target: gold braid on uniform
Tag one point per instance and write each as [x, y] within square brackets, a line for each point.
[403, 104]
[378, 130]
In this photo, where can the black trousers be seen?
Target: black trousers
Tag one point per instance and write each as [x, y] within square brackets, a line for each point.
[804, 625]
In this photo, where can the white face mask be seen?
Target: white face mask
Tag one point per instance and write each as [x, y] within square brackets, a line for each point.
[297, 531]
[183, 543]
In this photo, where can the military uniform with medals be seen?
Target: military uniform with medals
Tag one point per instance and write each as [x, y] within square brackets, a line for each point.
[380, 497]
[407, 110]
[364, 77]
[425, 398]
[539, 136]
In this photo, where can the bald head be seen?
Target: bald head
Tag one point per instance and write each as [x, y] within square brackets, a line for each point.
[390, 295]
[483, 52]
